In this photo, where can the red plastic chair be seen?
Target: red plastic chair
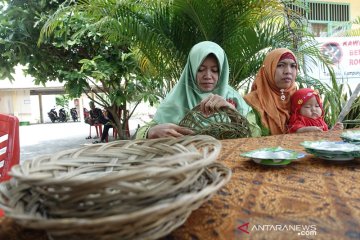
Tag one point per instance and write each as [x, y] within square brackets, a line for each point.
[98, 128]
[9, 145]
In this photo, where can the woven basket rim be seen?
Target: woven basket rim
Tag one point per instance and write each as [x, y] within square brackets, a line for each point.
[225, 123]
[121, 192]
[22, 173]
[169, 205]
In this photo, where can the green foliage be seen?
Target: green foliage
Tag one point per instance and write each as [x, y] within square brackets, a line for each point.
[63, 101]
[87, 63]
[133, 50]
[357, 20]
[162, 32]
[20, 25]
[352, 119]
[351, 32]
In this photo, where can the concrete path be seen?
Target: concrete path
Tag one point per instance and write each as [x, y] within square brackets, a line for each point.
[40, 139]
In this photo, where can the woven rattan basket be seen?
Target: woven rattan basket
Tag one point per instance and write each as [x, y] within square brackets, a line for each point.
[227, 123]
[140, 189]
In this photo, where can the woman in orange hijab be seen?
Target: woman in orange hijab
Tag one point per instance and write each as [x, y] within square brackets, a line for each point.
[271, 91]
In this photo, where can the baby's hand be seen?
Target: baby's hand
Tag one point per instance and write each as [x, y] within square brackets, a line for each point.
[309, 129]
[338, 126]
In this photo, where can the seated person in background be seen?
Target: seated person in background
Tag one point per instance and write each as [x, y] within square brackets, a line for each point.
[271, 91]
[204, 82]
[108, 123]
[95, 116]
[307, 113]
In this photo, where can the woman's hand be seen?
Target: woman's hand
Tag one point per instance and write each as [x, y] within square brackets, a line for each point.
[338, 126]
[213, 103]
[168, 130]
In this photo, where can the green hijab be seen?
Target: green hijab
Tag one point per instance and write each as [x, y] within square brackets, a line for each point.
[186, 95]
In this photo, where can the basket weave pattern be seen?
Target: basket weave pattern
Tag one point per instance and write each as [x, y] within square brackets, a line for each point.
[140, 189]
[226, 123]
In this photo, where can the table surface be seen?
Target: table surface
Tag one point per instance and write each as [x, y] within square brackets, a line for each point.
[305, 197]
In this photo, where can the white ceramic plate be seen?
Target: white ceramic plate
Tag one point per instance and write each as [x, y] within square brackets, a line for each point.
[351, 135]
[335, 158]
[329, 146]
[275, 156]
[336, 151]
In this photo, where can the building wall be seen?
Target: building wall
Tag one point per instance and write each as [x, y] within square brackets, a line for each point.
[17, 103]
[6, 103]
[354, 9]
[27, 107]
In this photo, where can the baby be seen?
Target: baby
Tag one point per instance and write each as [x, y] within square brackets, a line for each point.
[307, 113]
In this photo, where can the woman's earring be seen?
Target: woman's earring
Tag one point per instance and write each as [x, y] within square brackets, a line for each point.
[282, 97]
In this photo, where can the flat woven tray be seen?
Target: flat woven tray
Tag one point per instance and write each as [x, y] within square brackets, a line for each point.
[227, 123]
[140, 189]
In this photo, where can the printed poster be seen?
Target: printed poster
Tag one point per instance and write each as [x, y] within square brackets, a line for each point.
[344, 52]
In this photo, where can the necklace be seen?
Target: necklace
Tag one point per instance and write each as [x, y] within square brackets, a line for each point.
[282, 97]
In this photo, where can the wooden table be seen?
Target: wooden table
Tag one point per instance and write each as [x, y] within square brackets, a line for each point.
[311, 196]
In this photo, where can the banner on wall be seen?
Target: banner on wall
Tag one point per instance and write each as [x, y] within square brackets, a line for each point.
[344, 53]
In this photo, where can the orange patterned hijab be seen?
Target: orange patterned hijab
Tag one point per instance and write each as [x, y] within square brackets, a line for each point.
[265, 95]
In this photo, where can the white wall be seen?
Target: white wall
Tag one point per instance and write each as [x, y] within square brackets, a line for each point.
[6, 103]
[16, 103]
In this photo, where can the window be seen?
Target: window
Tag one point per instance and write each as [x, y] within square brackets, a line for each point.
[329, 12]
[325, 18]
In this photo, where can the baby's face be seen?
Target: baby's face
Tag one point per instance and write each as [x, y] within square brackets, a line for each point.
[311, 109]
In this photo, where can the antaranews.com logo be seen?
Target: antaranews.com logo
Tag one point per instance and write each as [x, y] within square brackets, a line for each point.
[301, 230]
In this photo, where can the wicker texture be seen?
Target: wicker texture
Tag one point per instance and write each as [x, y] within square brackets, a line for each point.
[140, 189]
[226, 123]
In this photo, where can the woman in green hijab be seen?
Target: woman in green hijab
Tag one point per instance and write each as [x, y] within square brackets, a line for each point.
[203, 81]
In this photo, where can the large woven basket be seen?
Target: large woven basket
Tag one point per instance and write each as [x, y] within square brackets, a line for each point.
[226, 123]
[140, 189]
